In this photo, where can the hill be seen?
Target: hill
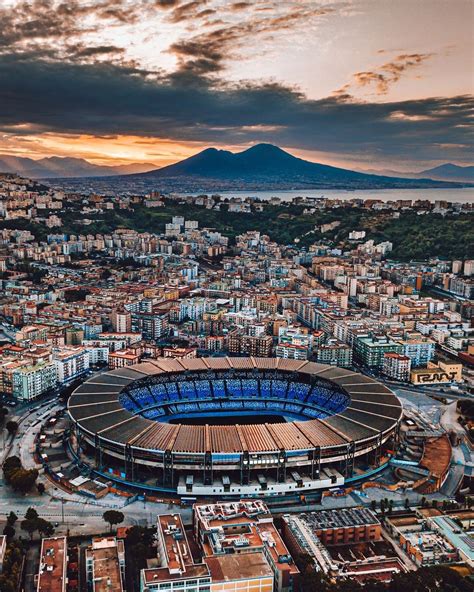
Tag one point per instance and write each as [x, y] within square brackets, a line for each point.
[450, 172]
[65, 167]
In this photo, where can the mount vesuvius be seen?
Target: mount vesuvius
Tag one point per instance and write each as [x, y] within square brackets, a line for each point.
[260, 167]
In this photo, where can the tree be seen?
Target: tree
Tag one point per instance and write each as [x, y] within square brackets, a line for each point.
[113, 517]
[12, 518]
[3, 414]
[11, 464]
[31, 514]
[23, 480]
[29, 526]
[44, 527]
[407, 504]
[12, 427]
[138, 541]
[9, 531]
[41, 488]
[373, 505]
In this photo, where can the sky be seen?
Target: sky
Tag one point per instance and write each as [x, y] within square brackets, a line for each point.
[368, 84]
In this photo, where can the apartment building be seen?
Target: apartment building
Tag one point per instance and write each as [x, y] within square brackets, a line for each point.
[52, 574]
[105, 565]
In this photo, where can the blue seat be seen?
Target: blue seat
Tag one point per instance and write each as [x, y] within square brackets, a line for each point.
[142, 396]
[209, 405]
[293, 408]
[203, 389]
[128, 403]
[298, 391]
[279, 388]
[232, 404]
[234, 387]
[187, 390]
[159, 392]
[218, 388]
[265, 389]
[172, 391]
[249, 387]
[152, 413]
[255, 404]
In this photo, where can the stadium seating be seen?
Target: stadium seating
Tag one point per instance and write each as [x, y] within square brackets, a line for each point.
[203, 389]
[159, 392]
[187, 390]
[219, 388]
[314, 401]
[172, 391]
[152, 413]
[250, 388]
[143, 397]
[234, 387]
[298, 391]
[279, 388]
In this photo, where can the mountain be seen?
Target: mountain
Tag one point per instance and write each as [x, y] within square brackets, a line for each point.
[444, 172]
[261, 167]
[65, 167]
[265, 166]
[450, 172]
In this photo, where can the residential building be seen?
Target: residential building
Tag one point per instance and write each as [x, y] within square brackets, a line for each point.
[121, 321]
[294, 343]
[52, 575]
[397, 366]
[105, 565]
[71, 363]
[30, 382]
[334, 353]
[420, 350]
[122, 358]
[177, 571]
[371, 350]
[239, 529]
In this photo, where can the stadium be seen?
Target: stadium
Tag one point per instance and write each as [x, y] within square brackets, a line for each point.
[237, 427]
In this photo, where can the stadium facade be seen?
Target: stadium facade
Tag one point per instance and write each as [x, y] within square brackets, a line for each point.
[135, 425]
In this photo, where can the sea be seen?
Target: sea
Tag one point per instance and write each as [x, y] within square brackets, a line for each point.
[461, 195]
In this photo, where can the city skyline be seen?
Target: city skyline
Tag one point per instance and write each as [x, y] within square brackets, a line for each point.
[357, 84]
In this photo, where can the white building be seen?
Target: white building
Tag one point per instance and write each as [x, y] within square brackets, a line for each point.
[71, 363]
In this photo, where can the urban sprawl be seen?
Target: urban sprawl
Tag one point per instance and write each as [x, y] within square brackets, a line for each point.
[208, 408]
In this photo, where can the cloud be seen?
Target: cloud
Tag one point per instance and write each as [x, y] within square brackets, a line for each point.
[29, 24]
[207, 52]
[39, 96]
[187, 11]
[390, 72]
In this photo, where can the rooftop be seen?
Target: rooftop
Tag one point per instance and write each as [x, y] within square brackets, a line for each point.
[104, 554]
[52, 572]
[341, 518]
[225, 568]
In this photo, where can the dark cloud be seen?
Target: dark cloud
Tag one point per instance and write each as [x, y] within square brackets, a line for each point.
[84, 51]
[206, 52]
[104, 99]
